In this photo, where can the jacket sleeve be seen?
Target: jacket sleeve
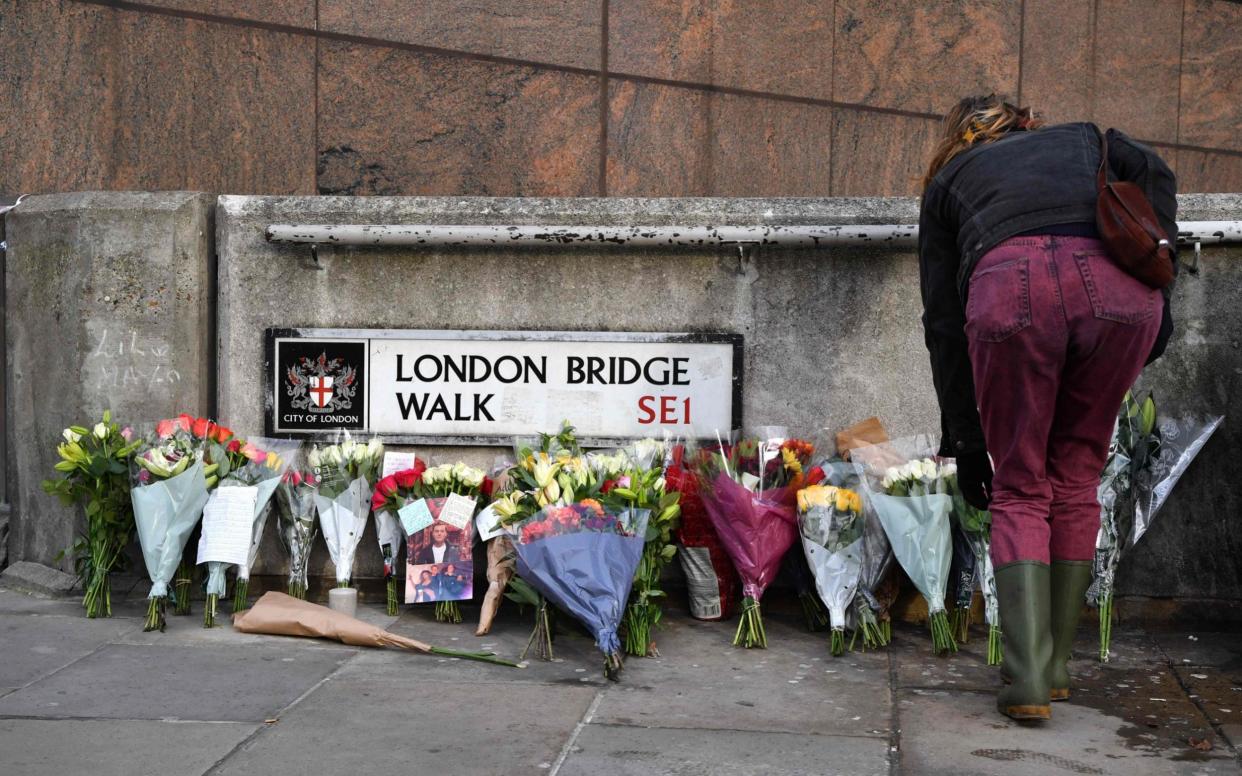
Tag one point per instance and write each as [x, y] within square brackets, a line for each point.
[1132, 161]
[944, 328]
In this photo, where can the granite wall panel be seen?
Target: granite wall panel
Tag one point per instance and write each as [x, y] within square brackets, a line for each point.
[560, 32]
[98, 98]
[401, 122]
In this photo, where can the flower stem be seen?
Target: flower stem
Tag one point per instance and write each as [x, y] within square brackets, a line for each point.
[995, 653]
[155, 614]
[541, 636]
[448, 611]
[181, 589]
[297, 590]
[961, 624]
[482, 657]
[837, 642]
[209, 611]
[241, 592]
[942, 635]
[392, 597]
[612, 666]
[750, 630]
[813, 611]
[1106, 626]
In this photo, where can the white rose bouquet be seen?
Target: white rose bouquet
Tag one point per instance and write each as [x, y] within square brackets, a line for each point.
[346, 473]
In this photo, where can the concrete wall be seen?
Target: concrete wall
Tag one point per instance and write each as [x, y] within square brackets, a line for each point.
[832, 336]
[585, 97]
[108, 306]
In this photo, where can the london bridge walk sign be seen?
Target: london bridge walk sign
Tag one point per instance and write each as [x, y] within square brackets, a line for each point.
[485, 387]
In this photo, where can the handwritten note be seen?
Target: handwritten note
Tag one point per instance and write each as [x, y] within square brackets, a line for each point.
[415, 516]
[397, 462]
[227, 520]
[458, 511]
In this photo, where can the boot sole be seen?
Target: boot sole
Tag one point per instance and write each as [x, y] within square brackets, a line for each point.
[1053, 694]
[1027, 712]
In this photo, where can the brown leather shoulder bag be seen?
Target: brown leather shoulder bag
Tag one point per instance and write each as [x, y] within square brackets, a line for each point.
[1129, 228]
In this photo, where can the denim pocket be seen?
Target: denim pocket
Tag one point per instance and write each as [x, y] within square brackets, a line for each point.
[1115, 295]
[999, 305]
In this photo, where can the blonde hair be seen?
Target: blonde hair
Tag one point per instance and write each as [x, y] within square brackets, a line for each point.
[975, 121]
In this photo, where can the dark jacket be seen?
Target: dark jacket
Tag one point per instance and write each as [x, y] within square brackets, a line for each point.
[427, 555]
[1023, 182]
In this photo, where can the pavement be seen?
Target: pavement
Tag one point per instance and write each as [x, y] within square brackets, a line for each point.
[102, 697]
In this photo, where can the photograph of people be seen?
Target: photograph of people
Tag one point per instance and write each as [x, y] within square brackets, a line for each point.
[440, 550]
[454, 583]
[424, 591]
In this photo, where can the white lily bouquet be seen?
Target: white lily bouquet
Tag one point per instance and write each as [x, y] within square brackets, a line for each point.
[345, 473]
[830, 521]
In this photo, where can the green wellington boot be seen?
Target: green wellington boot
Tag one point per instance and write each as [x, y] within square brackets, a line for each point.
[1069, 582]
[1023, 589]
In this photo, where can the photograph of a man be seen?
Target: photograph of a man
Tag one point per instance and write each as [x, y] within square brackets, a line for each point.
[439, 550]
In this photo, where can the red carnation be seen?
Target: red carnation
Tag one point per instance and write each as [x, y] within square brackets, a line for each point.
[234, 446]
[814, 476]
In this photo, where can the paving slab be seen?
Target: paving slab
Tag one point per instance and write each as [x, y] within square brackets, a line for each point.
[34, 747]
[958, 733]
[1218, 693]
[917, 666]
[620, 750]
[1221, 650]
[25, 602]
[38, 644]
[702, 681]
[404, 724]
[576, 660]
[124, 681]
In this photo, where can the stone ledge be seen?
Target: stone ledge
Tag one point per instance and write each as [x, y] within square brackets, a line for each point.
[37, 578]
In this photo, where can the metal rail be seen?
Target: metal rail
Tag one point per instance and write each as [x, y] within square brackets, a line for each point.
[806, 236]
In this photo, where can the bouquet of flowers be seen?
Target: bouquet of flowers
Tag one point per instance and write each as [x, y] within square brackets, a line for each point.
[235, 515]
[750, 492]
[583, 557]
[344, 472]
[94, 467]
[1148, 455]
[391, 494]
[914, 507]
[550, 470]
[440, 526]
[830, 521]
[633, 479]
[295, 501]
[276, 455]
[170, 483]
[973, 527]
[711, 583]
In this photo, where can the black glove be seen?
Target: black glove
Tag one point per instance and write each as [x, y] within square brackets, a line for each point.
[974, 476]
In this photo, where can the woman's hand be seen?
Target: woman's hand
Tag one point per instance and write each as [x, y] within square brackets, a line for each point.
[974, 476]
